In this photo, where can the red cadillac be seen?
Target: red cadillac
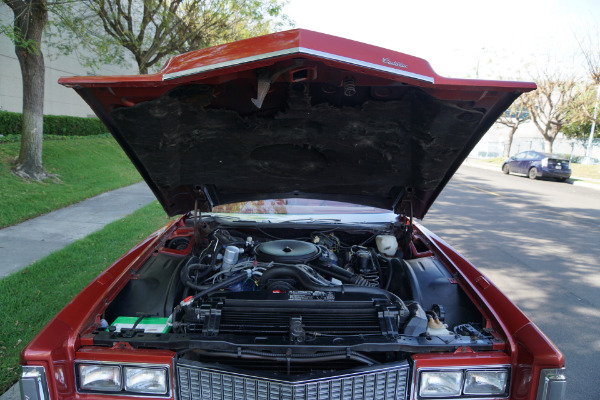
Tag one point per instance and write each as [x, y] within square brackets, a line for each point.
[298, 163]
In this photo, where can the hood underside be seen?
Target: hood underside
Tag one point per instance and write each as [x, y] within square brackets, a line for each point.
[297, 114]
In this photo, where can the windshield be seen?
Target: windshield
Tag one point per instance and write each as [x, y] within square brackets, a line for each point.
[304, 210]
[297, 207]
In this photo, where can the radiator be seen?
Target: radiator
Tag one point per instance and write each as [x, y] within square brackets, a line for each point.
[378, 383]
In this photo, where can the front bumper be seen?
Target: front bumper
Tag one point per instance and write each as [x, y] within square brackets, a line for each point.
[196, 381]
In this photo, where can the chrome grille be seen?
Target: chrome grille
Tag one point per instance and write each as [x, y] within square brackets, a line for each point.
[204, 383]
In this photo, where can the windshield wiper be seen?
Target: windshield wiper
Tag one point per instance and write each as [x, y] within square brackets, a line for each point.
[309, 219]
[235, 218]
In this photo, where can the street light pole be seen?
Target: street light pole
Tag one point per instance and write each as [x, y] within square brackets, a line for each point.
[588, 151]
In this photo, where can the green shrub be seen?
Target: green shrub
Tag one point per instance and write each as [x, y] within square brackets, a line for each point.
[10, 124]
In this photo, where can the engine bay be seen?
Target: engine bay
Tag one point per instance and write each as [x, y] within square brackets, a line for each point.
[306, 296]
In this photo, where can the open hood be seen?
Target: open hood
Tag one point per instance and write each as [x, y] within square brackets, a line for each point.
[296, 114]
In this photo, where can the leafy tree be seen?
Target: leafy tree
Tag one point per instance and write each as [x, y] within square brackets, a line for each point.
[587, 113]
[513, 118]
[16, 37]
[581, 114]
[30, 17]
[577, 130]
[550, 105]
[152, 30]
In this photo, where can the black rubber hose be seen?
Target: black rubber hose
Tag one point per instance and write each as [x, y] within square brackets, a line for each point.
[285, 271]
[213, 257]
[390, 273]
[392, 262]
[223, 284]
[229, 240]
[334, 270]
[192, 264]
[375, 259]
[347, 277]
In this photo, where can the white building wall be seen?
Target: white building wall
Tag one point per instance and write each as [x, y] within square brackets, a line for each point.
[527, 137]
[58, 100]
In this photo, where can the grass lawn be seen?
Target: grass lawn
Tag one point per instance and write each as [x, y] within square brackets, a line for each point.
[31, 297]
[87, 166]
[578, 170]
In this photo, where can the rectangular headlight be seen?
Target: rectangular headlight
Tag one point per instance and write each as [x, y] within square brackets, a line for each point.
[106, 378]
[486, 382]
[146, 380]
[440, 383]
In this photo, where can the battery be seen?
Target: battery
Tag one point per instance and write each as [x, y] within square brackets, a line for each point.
[148, 324]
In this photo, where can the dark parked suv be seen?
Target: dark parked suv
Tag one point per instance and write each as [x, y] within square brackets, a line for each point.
[535, 164]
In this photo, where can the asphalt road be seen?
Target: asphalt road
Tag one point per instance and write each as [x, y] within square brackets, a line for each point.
[539, 242]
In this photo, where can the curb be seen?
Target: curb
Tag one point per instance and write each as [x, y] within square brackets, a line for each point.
[575, 181]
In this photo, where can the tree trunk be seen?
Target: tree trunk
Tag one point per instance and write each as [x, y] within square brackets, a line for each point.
[30, 19]
[548, 145]
[511, 134]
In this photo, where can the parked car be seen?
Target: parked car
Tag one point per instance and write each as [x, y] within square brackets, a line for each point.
[298, 164]
[538, 165]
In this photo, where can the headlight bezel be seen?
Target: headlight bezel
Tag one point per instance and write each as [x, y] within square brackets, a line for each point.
[464, 369]
[165, 368]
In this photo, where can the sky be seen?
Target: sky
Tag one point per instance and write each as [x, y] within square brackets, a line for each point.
[462, 38]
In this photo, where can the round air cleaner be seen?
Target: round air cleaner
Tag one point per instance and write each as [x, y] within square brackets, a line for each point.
[287, 251]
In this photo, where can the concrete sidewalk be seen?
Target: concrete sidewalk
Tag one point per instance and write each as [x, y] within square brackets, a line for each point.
[32, 240]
